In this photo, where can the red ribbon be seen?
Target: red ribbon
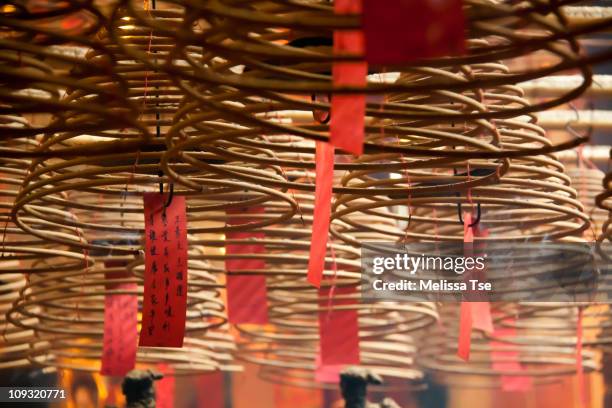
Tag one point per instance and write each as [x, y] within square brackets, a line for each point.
[247, 296]
[120, 326]
[401, 31]
[348, 110]
[509, 361]
[338, 329]
[165, 388]
[322, 211]
[465, 314]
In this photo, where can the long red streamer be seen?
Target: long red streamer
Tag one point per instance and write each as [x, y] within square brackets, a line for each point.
[401, 31]
[120, 328]
[348, 110]
[322, 211]
[465, 314]
[247, 296]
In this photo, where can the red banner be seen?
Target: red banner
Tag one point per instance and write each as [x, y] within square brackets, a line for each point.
[165, 280]
[338, 329]
[465, 313]
[401, 31]
[120, 326]
[505, 359]
[481, 311]
[322, 211]
[165, 388]
[348, 110]
[247, 296]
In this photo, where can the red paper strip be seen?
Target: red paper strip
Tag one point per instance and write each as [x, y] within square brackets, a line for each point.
[165, 279]
[120, 327]
[348, 110]
[165, 388]
[509, 361]
[329, 374]
[322, 211]
[481, 311]
[247, 296]
[401, 31]
[210, 390]
[338, 329]
[579, 365]
[465, 331]
[465, 314]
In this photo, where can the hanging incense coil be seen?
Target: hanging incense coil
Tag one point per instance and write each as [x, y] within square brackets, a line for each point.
[292, 343]
[537, 353]
[236, 59]
[604, 201]
[14, 340]
[101, 197]
[60, 90]
[23, 252]
[587, 182]
[561, 319]
[66, 313]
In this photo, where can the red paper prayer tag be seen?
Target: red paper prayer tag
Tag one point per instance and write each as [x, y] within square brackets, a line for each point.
[322, 211]
[165, 279]
[247, 296]
[210, 390]
[338, 329]
[165, 388]
[348, 110]
[120, 328]
[506, 360]
[481, 311]
[327, 373]
[465, 331]
[401, 31]
[579, 364]
[465, 314]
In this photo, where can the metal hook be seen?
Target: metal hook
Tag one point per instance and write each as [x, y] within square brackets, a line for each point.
[316, 113]
[160, 173]
[478, 213]
[459, 209]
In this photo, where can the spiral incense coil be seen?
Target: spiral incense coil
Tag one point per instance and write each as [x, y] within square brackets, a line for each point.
[100, 196]
[292, 341]
[286, 250]
[199, 355]
[23, 252]
[537, 321]
[66, 313]
[79, 296]
[604, 201]
[294, 364]
[284, 61]
[67, 93]
[587, 183]
[537, 352]
[13, 340]
[534, 195]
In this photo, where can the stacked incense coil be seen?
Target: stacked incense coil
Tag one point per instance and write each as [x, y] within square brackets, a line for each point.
[530, 191]
[587, 182]
[604, 201]
[66, 312]
[287, 349]
[532, 349]
[21, 253]
[68, 93]
[275, 57]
